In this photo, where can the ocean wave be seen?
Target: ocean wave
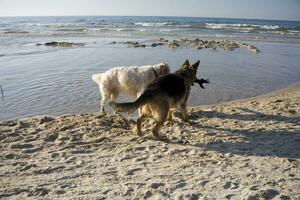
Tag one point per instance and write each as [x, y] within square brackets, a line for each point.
[116, 26]
[284, 32]
[72, 29]
[110, 30]
[153, 24]
[159, 30]
[56, 25]
[98, 30]
[240, 26]
[294, 31]
[125, 29]
[15, 32]
[255, 28]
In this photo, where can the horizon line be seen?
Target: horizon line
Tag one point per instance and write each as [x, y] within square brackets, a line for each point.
[293, 20]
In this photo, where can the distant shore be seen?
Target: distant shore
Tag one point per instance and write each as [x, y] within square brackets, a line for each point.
[245, 149]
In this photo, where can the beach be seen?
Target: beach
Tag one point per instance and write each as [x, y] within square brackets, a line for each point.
[244, 149]
[242, 142]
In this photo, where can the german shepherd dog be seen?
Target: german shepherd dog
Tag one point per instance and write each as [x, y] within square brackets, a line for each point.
[162, 96]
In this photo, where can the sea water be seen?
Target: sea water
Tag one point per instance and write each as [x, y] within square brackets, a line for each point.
[45, 80]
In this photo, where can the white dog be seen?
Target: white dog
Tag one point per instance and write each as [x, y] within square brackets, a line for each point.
[130, 81]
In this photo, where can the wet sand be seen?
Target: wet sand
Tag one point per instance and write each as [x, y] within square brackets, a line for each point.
[246, 149]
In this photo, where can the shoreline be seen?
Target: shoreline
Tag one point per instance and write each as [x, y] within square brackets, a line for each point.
[289, 88]
[245, 149]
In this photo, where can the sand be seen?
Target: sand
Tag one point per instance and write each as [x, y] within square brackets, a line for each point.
[247, 149]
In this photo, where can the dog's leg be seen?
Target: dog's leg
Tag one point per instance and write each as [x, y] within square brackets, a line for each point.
[163, 114]
[156, 129]
[184, 112]
[183, 107]
[139, 124]
[102, 98]
[140, 109]
[113, 98]
[102, 102]
[170, 115]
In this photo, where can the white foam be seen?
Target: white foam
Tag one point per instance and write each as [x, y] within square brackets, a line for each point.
[155, 24]
[240, 26]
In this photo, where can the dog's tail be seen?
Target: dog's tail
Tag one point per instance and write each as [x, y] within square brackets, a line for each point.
[96, 78]
[131, 106]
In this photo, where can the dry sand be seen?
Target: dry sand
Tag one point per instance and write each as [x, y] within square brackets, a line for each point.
[246, 149]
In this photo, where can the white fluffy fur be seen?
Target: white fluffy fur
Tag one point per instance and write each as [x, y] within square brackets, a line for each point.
[130, 81]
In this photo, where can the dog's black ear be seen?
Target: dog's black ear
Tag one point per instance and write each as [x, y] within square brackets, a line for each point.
[186, 62]
[196, 64]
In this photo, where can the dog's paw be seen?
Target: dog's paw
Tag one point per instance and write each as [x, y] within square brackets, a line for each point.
[138, 132]
[102, 112]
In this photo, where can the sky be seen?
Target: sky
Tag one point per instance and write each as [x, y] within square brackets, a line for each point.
[252, 9]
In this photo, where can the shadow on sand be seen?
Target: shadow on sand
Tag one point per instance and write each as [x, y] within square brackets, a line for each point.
[264, 141]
